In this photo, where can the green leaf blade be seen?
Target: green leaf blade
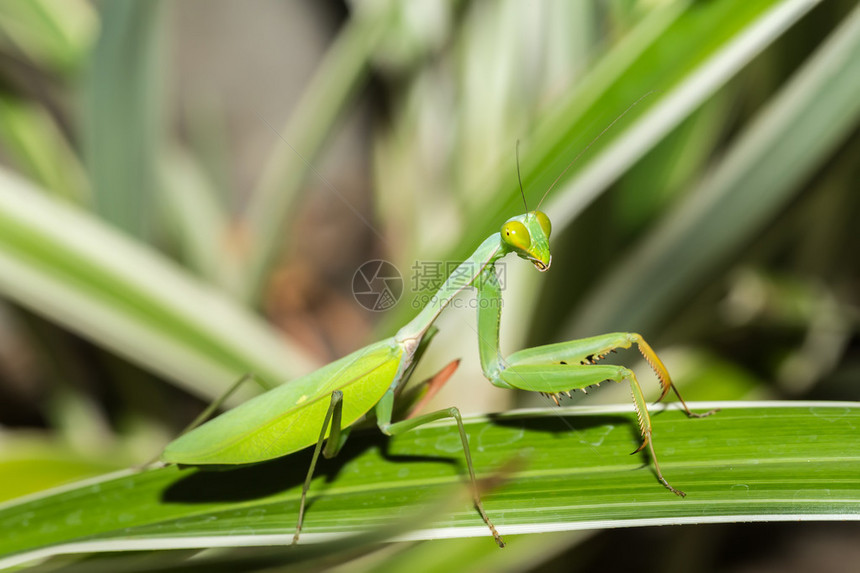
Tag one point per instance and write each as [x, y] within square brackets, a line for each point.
[67, 265]
[758, 176]
[750, 462]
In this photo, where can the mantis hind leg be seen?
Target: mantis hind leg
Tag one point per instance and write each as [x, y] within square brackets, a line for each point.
[392, 429]
[213, 407]
[333, 445]
[217, 403]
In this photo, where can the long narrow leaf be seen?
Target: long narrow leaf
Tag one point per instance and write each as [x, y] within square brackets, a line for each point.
[759, 175]
[63, 263]
[37, 147]
[124, 120]
[52, 33]
[701, 62]
[749, 462]
[694, 87]
[342, 72]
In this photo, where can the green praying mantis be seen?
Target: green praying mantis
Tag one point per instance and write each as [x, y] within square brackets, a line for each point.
[320, 408]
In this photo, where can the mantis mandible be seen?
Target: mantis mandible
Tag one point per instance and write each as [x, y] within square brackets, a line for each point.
[321, 407]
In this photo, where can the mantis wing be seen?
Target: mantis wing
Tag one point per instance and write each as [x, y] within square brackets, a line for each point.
[288, 418]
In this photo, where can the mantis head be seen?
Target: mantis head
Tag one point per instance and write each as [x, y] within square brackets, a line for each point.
[528, 236]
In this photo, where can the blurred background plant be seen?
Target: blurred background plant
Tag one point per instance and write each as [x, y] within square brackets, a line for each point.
[188, 188]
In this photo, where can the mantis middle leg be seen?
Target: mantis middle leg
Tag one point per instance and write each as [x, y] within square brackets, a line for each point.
[336, 439]
[389, 428]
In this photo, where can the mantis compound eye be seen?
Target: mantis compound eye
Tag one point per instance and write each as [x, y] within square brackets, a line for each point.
[544, 223]
[516, 235]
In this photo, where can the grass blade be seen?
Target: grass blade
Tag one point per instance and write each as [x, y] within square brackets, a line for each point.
[701, 63]
[344, 69]
[676, 105]
[63, 263]
[125, 88]
[36, 145]
[755, 461]
[756, 178]
[50, 33]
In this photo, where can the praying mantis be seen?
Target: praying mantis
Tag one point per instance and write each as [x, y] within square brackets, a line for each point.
[320, 408]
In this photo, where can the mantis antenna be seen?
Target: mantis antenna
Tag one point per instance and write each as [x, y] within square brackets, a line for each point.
[592, 142]
[520, 179]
